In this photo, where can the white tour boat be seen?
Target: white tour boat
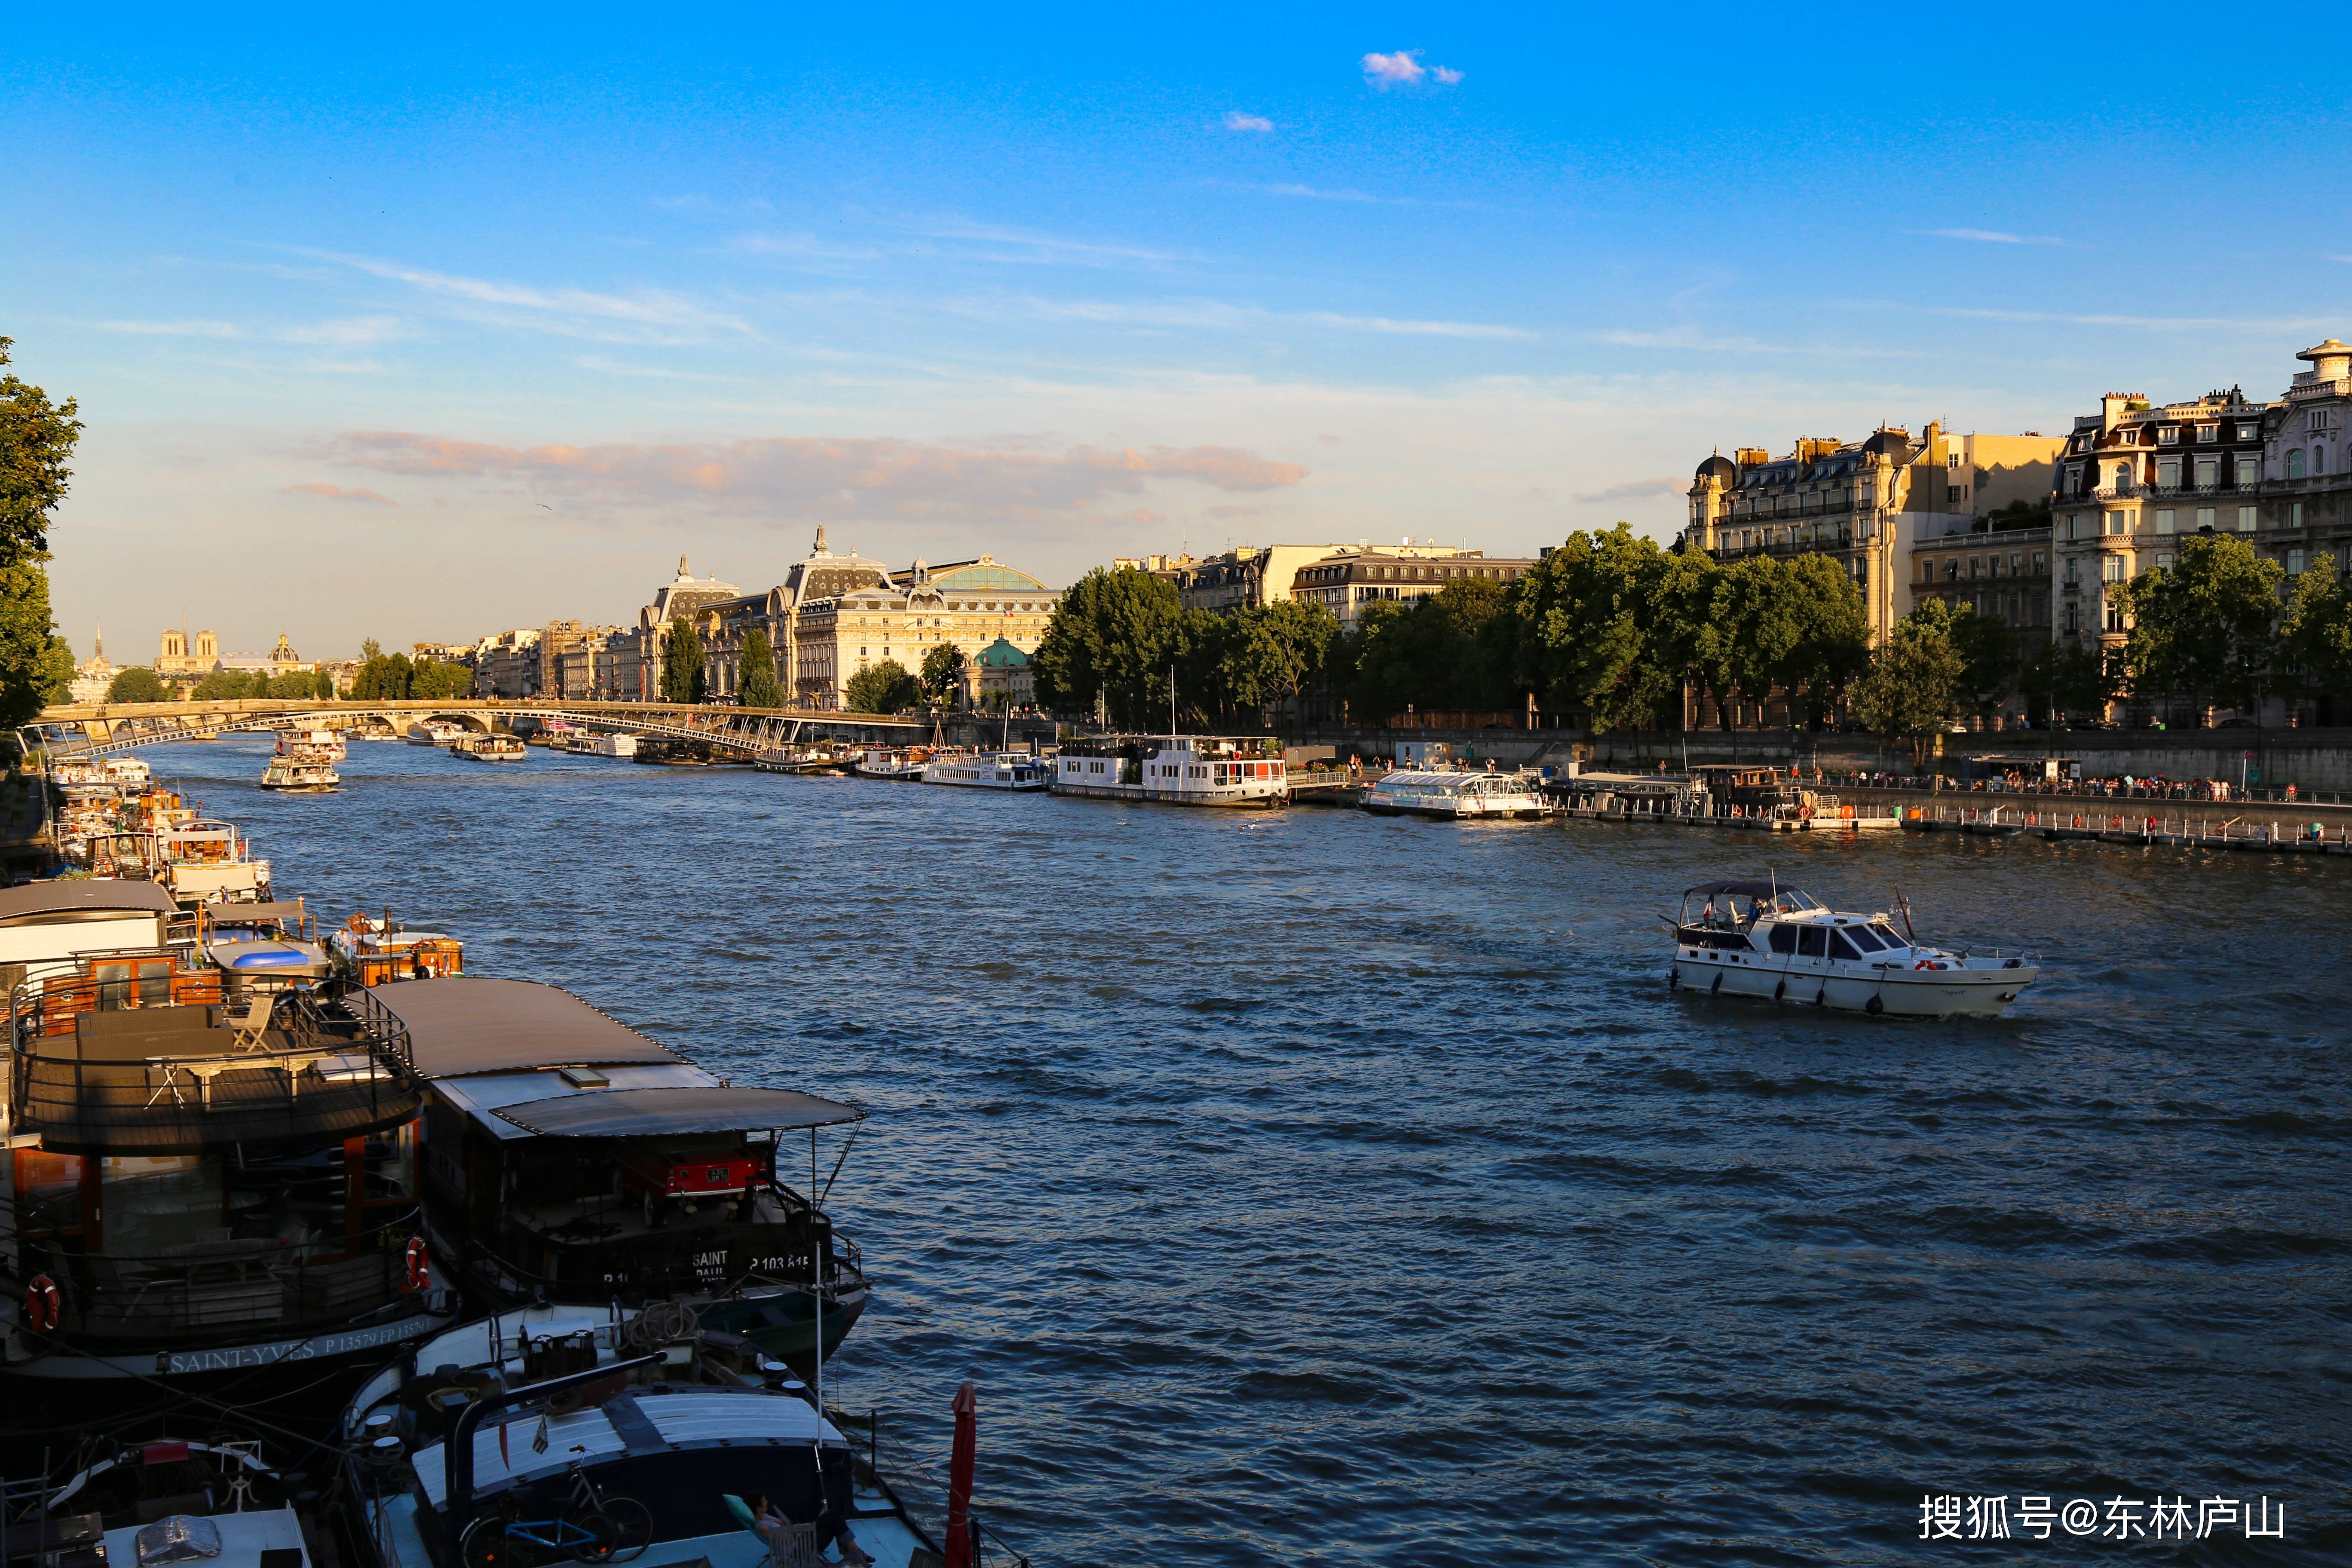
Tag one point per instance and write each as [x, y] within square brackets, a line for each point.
[300, 773]
[1180, 770]
[487, 748]
[1760, 938]
[1419, 791]
[434, 732]
[988, 770]
[614, 745]
[898, 764]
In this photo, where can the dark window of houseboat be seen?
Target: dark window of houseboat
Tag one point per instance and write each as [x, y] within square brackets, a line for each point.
[1814, 942]
[1784, 939]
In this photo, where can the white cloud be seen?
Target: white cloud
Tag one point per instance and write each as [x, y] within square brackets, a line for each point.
[792, 478]
[1008, 244]
[1217, 315]
[653, 315]
[1404, 68]
[348, 330]
[1636, 489]
[1236, 120]
[173, 329]
[336, 492]
[1995, 237]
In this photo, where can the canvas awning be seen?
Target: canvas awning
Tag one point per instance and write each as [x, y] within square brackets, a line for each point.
[38, 901]
[468, 1024]
[671, 1112]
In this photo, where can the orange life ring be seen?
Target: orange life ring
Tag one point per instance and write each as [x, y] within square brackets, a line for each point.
[420, 1271]
[1926, 963]
[42, 1304]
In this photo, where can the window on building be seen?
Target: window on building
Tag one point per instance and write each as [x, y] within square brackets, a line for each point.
[2250, 471]
[2294, 463]
[2074, 617]
[2168, 434]
[2111, 568]
[2295, 514]
[2249, 432]
[2209, 472]
[2245, 519]
[2205, 517]
[2164, 562]
[2319, 461]
[2167, 473]
[2123, 476]
[2164, 520]
[2114, 522]
[2209, 432]
[2040, 564]
[2295, 563]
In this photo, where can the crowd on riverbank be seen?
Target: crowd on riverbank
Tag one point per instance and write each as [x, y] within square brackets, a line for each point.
[2114, 787]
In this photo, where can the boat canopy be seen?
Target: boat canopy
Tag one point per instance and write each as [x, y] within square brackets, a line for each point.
[462, 1025]
[44, 900]
[672, 1113]
[254, 914]
[1746, 889]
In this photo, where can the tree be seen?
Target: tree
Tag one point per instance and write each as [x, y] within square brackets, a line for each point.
[942, 679]
[1988, 652]
[2206, 629]
[36, 443]
[432, 678]
[1908, 694]
[1112, 637]
[2317, 635]
[1273, 650]
[230, 686]
[137, 684]
[370, 650]
[1585, 612]
[884, 688]
[683, 678]
[756, 685]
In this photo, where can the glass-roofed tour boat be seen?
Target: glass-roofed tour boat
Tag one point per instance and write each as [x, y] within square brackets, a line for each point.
[570, 1159]
[1760, 938]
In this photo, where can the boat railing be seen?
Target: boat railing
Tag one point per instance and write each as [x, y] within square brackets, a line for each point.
[215, 1285]
[928, 1515]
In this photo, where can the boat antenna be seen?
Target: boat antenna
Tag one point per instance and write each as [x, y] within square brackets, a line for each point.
[816, 1289]
[1172, 707]
[1904, 905]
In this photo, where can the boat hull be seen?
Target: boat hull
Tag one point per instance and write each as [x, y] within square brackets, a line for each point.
[1895, 992]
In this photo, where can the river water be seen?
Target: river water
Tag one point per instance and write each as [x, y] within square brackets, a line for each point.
[1316, 1188]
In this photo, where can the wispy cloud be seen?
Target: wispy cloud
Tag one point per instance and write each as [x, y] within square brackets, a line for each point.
[1236, 120]
[336, 492]
[173, 329]
[790, 478]
[1995, 237]
[2179, 324]
[1636, 489]
[1003, 243]
[1219, 316]
[647, 315]
[349, 330]
[1404, 68]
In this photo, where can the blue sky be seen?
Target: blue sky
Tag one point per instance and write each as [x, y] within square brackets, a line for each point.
[421, 324]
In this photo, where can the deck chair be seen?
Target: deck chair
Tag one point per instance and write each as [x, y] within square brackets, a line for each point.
[252, 1025]
[791, 1545]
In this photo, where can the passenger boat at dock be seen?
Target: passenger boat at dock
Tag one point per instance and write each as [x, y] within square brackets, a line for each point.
[211, 1177]
[615, 744]
[545, 1434]
[988, 770]
[1176, 769]
[1457, 797]
[893, 765]
[570, 1159]
[487, 748]
[1760, 938]
[434, 732]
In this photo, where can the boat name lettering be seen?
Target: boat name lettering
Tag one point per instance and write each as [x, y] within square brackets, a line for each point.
[235, 1357]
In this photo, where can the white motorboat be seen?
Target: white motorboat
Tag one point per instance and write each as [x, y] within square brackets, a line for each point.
[1760, 938]
[1418, 792]
[988, 770]
[434, 732]
[895, 763]
[1174, 770]
[300, 775]
[614, 745]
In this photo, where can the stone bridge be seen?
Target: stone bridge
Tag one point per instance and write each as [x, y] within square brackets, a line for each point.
[111, 728]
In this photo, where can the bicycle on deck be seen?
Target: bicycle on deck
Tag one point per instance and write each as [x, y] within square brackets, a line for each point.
[584, 1526]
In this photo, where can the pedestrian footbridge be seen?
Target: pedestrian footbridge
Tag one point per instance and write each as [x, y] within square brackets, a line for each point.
[111, 728]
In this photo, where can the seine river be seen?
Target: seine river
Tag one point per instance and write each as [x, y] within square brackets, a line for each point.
[1311, 1188]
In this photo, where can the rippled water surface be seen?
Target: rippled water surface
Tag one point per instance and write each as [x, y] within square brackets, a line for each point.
[1315, 1188]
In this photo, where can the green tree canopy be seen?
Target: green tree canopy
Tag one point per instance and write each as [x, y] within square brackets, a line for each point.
[432, 678]
[1272, 651]
[1987, 650]
[684, 676]
[2319, 630]
[884, 688]
[231, 686]
[36, 443]
[138, 684]
[2206, 629]
[756, 685]
[1908, 694]
[942, 676]
[1586, 612]
[1114, 636]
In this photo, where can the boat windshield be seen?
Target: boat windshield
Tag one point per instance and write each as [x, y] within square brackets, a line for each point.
[1791, 901]
[1886, 933]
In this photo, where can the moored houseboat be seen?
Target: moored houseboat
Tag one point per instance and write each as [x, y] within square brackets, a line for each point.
[988, 770]
[208, 1180]
[376, 950]
[1174, 770]
[487, 748]
[570, 1159]
[616, 744]
[893, 765]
